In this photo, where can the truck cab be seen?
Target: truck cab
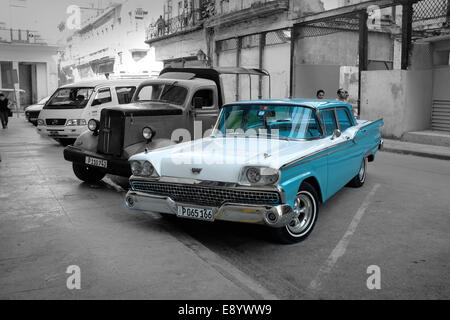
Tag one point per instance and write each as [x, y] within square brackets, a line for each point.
[179, 106]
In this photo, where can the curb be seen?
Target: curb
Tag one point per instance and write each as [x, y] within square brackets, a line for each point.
[416, 153]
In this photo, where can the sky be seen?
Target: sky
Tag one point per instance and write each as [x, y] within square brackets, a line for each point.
[45, 15]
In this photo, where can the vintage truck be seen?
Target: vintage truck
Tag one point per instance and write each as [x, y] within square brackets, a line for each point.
[180, 105]
[269, 162]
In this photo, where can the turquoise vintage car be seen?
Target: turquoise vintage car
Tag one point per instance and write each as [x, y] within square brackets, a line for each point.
[269, 162]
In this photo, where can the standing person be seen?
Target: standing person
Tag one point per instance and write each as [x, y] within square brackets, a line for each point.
[161, 25]
[341, 94]
[346, 96]
[4, 110]
[320, 94]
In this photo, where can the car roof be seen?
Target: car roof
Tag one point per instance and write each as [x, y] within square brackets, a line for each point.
[192, 82]
[101, 83]
[312, 103]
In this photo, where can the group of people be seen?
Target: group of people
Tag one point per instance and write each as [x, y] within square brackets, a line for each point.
[5, 112]
[342, 95]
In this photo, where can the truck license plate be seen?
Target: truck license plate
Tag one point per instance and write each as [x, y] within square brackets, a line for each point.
[195, 213]
[96, 162]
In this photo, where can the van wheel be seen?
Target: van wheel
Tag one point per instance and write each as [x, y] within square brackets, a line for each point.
[360, 178]
[87, 174]
[307, 208]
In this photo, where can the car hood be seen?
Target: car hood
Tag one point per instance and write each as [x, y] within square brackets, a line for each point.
[34, 107]
[222, 159]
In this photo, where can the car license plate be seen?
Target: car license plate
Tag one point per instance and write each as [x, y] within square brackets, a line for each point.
[33, 119]
[53, 133]
[96, 162]
[195, 213]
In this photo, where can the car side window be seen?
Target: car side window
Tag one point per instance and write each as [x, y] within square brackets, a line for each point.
[207, 97]
[329, 121]
[344, 119]
[124, 94]
[103, 96]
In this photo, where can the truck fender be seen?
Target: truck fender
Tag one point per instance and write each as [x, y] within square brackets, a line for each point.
[87, 141]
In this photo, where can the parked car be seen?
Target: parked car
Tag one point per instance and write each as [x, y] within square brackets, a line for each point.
[160, 108]
[66, 114]
[32, 112]
[267, 162]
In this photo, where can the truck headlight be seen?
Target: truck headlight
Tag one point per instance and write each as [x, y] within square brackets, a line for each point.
[143, 169]
[259, 176]
[76, 122]
[40, 122]
[148, 133]
[93, 125]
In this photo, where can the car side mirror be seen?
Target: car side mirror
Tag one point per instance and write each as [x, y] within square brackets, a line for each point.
[198, 103]
[336, 134]
[96, 103]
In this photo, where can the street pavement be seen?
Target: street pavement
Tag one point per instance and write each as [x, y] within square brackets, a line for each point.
[398, 222]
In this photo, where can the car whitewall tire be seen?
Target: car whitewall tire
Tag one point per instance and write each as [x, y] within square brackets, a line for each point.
[306, 207]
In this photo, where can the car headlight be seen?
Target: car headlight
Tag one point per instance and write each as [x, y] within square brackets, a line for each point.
[260, 176]
[136, 168]
[143, 169]
[76, 122]
[93, 125]
[148, 133]
[40, 122]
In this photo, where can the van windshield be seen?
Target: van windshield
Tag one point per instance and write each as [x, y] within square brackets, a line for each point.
[70, 98]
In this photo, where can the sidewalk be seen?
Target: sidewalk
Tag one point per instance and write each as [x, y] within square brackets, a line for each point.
[416, 149]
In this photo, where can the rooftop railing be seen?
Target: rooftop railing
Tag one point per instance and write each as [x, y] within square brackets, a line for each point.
[20, 36]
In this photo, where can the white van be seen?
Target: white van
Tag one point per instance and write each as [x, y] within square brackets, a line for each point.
[66, 114]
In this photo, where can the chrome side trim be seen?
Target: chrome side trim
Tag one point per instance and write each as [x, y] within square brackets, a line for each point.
[305, 159]
[299, 161]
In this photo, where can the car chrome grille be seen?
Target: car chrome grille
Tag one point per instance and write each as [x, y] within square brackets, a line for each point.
[55, 122]
[206, 196]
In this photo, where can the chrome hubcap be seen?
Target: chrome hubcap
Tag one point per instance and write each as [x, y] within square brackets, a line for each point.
[362, 171]
[304, 209]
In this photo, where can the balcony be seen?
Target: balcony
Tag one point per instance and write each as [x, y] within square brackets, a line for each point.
[187, 22]
[20, 36]
[233, 11]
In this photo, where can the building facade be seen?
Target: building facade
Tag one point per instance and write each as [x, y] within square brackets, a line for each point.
[27, 63]
[109, 44]
[231, 33]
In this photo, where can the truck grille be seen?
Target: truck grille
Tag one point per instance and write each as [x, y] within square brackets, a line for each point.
[55, 122]
[206, 196]
[111, 133]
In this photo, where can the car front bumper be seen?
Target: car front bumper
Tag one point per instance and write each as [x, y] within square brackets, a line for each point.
[271, 215]
[116, 166]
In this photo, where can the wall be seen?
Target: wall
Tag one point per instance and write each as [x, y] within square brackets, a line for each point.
[402, 98]
[277, 62]
[185, 45]
[341, 48]
[45, 59]
[310, 78]
[441, 81]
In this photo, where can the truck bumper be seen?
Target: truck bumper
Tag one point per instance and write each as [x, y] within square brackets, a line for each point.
[115, 166]
[273, 216]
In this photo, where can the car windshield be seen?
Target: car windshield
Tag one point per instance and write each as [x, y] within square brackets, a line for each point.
[169, 93]
[274, 121]
[70, 98]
